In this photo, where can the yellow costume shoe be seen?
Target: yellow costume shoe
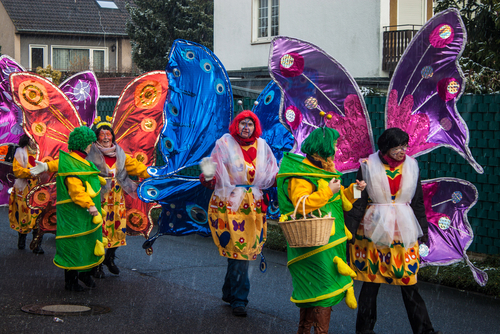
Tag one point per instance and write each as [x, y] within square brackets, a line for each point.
[348, 233]
[97, 219]
[350, 299]
[343, 268]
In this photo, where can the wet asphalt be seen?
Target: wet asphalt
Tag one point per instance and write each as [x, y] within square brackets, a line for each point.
[177, 289]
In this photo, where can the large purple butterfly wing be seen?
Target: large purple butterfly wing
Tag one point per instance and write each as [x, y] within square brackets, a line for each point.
[317, 91]
[10, 113]
[425, 86]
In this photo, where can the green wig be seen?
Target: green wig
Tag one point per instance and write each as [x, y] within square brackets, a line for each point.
[80, 138]
[321, 142]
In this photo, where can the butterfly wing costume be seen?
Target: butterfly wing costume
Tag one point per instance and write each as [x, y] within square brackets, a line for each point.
[421, 101]
[198, 111]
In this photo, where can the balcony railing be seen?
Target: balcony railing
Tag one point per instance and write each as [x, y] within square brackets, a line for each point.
[395, 43]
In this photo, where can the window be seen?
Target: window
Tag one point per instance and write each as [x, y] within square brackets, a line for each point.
[79, 59]
[265, 20]
[107, 4]
[37, 56]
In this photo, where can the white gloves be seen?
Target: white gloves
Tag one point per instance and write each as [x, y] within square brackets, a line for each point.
[208, 168]
[39, 168]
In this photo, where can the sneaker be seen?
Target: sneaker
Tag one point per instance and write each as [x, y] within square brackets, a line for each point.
[240, 311]
[110, 263]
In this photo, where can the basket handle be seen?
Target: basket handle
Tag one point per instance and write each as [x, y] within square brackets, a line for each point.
[303, 200]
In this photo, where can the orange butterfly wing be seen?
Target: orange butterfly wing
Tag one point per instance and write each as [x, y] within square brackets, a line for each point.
[138, 116]
[48, 115]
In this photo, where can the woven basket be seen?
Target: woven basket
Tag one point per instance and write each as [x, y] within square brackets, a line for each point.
[307, 232]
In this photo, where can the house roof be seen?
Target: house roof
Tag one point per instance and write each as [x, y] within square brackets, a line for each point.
[113, 86]
[67, 17]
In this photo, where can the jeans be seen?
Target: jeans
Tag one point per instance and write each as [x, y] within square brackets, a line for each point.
[236, 284]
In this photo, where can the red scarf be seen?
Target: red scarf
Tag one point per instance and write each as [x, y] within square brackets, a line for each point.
[392, 162]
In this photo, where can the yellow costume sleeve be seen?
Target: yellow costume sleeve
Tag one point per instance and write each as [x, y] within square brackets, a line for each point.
[76, 191]
[347, 197]
[136, 168]
[53, 166]
[317, 199]
[19, 171]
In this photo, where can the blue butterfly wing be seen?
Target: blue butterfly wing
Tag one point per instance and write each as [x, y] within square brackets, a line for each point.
[276, 135]
[198, 110]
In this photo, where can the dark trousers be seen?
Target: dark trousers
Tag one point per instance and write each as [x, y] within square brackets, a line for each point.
[237, 284]
[414, 304]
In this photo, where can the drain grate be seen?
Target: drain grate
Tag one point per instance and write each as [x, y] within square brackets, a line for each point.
[65, 309]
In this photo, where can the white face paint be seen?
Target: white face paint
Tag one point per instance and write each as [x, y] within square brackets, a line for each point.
[398, 153]
[246, 128]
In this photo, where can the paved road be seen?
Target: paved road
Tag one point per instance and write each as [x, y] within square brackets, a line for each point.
[178, 290]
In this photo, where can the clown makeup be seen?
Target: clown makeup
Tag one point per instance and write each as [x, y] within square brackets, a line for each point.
[398, 153]
[105, 138]
[246, 128]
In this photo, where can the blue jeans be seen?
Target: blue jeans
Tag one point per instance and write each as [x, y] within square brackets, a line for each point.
[236, 285]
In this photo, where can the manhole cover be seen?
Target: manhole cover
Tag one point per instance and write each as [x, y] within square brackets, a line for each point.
[65, 309]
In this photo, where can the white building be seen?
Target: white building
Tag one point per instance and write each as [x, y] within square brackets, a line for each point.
[351, 31]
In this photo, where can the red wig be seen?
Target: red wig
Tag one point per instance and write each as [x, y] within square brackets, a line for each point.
[233, 128]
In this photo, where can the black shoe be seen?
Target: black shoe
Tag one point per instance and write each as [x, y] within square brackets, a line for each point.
[71, 281]
[110, 263]
[38, 250]
[36, 243]
[87, 279]
[97, 272]
[21, 242]
[74, 287]
[240, 311]
[226, 300]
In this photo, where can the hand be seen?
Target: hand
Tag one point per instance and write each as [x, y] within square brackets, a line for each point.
[39, 168]
[208, 168]
[334, 185]
[360, 185]
[424, 239]
[93, 211]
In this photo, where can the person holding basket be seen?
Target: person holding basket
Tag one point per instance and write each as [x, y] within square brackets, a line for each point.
[312, 199]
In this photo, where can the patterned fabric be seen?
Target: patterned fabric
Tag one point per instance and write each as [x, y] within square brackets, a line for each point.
[21, 218]
[240, 234]
[115, 222]
[395, 265]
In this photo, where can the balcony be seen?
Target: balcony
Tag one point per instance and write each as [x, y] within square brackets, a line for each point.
[395, 41]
